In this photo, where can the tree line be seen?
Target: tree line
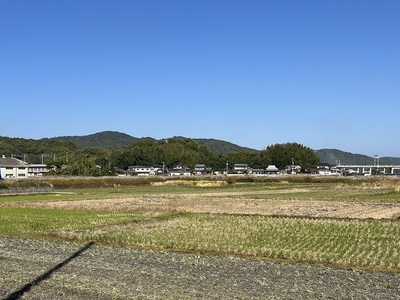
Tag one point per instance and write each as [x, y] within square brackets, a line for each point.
[68, 159]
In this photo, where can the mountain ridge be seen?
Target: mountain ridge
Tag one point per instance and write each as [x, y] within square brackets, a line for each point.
[336, 156]
[113, 139]
[330, 156]
[105, 139]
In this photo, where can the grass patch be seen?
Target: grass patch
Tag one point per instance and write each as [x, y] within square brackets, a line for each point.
[350, 243]
[36, 223]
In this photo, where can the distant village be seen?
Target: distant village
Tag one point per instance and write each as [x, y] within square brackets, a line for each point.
[13, 168]
[199, 169]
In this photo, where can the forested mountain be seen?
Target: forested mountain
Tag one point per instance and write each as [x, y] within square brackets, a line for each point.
[104, 139]
[112, 139]
[389, 160]
[34, 151]
[218, 146]
[118, 149]
[148, 152]
[334, 156]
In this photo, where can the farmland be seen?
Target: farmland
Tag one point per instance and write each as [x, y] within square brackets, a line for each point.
[342, 224]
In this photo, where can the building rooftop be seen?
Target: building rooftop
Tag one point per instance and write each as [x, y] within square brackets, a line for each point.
[11, 161]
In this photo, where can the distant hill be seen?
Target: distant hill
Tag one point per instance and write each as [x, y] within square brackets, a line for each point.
[219, 146]
[104, 139]
[334, 156]
[112, 139]
[389, 160]
[34, 151]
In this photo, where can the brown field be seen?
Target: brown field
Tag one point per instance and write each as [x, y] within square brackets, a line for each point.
[187, 256]
[117, 273]
[230, 203]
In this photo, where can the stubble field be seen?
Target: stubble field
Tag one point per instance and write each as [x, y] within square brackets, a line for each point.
[332, 227]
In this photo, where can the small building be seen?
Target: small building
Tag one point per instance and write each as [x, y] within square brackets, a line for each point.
[37, 170]
[221, 172]
[11, 167]
[328, 169]
[141, 170]
[293, 169]
[256, 171]
[311, 171]
[240, 168]
[271, 169]
[180, 170]
[161, 169]
[147, 170]
[201, 169]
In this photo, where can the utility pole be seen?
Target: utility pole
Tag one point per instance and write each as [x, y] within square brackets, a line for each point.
[293, 169]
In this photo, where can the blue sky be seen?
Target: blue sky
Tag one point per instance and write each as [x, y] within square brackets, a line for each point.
[325, 74]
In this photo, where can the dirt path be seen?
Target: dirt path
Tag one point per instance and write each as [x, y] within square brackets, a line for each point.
[32, 269]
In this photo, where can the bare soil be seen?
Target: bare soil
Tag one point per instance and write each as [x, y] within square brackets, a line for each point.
[31, 269]
[230, 203]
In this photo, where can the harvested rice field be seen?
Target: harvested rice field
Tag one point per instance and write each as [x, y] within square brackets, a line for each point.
[236, 240]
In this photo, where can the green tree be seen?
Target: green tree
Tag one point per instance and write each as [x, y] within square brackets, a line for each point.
[170, 152]
[252, 159]
[283, 155]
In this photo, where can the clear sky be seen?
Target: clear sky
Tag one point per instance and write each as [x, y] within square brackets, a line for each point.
[322, 73]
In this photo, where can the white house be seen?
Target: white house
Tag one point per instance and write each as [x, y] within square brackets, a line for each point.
[327, 169]
[142, 170]
[201, 169]
[180, 170]
[240, 168]
[11, 167]
[37, 170]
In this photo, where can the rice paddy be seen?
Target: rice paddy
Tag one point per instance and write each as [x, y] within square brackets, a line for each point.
[319, 224]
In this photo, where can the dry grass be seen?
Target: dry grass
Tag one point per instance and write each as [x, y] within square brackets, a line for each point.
[350, 243]
[270, 203]
[195, 183]
[120, 273]
[340, 223]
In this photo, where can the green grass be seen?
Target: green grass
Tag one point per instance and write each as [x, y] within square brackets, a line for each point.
[34, 223]
[352, 243]
[387, 195]
[369, 244]
[261, 190]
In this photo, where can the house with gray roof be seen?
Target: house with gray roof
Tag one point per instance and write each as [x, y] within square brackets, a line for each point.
[11, 167]
[271, 169]
[201, 169]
